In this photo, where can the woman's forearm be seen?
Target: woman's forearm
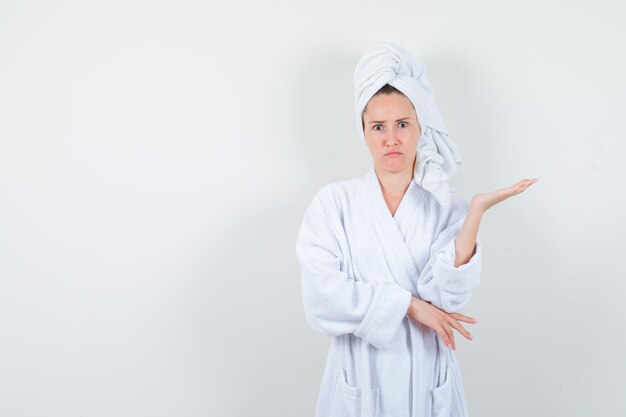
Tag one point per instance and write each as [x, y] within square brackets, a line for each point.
[465, 242]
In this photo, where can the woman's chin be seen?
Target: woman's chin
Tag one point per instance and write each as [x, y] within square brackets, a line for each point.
[395, 165]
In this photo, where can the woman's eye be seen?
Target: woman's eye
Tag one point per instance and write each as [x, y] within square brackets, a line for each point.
[375, 126]
[403, 123]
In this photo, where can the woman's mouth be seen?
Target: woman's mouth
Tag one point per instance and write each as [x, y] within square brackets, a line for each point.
[393, 154]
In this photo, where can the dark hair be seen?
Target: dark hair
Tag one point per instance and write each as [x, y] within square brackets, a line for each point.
[388, 89]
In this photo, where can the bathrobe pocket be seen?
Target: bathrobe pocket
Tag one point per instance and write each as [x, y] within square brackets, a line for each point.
[442, 396]
[347, 398]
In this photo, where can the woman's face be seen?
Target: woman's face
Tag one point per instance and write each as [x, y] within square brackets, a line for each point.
[391, 132]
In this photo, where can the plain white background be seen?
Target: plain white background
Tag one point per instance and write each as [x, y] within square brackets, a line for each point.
[156, 159]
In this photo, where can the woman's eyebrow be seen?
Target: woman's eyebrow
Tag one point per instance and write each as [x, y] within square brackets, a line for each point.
[399, 120]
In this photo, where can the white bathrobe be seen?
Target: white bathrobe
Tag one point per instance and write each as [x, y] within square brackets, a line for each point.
[360, 267]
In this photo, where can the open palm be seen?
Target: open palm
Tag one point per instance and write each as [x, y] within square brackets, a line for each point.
[487, 200]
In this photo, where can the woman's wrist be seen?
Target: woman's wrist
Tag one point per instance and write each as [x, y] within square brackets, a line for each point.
[414, 306]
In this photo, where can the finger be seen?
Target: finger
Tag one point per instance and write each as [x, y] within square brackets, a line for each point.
[463, 317]
[450, 334]
[526, 186]
[518, 187]
[443, 335]
[466, 319]
[513, 189]
[460, 328]
[529, 181]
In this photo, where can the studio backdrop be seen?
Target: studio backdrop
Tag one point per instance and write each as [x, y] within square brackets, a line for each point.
[156, 159]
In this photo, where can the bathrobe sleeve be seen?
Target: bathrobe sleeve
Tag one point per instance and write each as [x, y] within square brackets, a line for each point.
[334, 302]
[441, 283]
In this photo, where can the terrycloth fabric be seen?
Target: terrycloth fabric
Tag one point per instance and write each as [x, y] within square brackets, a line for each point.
[390, 63]
[360, 267]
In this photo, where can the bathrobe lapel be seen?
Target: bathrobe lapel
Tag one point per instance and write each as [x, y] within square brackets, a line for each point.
[393, 228]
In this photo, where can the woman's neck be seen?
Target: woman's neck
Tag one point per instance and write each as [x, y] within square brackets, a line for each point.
[395, 184]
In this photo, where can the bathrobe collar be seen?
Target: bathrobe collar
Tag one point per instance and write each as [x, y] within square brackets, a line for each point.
[394, 227]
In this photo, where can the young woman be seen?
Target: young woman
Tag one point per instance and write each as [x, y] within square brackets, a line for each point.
[389, 259]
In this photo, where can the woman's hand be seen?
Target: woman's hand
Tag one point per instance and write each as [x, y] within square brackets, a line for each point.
[440, 321]
[486, 200]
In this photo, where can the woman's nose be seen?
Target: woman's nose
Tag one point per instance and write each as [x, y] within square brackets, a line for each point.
[391, 141]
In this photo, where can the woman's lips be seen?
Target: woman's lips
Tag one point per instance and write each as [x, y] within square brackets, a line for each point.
[393, 154]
